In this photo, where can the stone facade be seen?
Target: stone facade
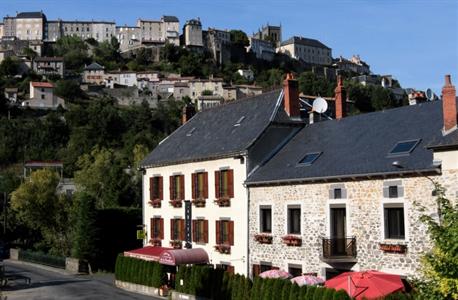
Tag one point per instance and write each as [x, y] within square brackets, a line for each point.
[364, 201]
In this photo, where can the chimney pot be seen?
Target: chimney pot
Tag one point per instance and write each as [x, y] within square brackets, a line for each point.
[291, 96]
[449, 105]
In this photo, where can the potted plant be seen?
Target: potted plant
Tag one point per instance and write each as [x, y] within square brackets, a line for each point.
[176, 203]
[176, 244]
[292, 240]
[263, 238]
[224, 249]
[200, 202]
[223, 202]
[156, 203]
[156, 242]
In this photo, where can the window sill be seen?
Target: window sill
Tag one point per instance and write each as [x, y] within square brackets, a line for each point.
[292, 240]
[223, 248]
[176, 203]
[199, 202]
[156, 203]
[223, 202]
[156, 242]
[263, 238]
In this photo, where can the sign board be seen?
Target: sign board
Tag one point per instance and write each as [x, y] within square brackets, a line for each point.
[188, 223]
[141, 234]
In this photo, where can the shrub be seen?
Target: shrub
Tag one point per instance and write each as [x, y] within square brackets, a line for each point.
[294, 292]
[302, 292]
[285, 290]
[255, 291]
[341, 295]
[328, 294]
[310, 292]
[277, 288]
[139, 271]
[267, 289]
[318, 295]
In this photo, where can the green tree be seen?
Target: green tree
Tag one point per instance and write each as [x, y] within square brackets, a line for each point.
[73, 50]
[9, 67]
[37, 205]
[294, 292]
[69, 90]
[440, 266]
[239, 38]
[286, 290]
[29, 53]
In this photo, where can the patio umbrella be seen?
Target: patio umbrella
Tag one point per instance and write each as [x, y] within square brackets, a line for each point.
[368, 284]
[275, 274]
[307, 280]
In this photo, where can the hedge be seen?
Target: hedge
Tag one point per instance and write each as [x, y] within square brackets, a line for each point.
[138, 271]
[41, 258]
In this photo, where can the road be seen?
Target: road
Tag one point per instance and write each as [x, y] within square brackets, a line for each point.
[56, 284]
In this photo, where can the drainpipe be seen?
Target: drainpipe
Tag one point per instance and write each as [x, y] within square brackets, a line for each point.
[248, 222]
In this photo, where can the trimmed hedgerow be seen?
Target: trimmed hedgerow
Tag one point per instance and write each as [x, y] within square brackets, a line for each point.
[140, 271]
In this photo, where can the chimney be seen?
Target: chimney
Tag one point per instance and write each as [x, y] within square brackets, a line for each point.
[188, 112]
[291, 96]
[341, 109]
[449, 105]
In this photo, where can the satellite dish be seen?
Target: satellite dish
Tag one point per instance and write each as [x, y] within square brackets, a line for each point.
[320, 105]
[429, 95]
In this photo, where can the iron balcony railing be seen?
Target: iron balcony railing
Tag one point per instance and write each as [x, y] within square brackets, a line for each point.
[339, 247]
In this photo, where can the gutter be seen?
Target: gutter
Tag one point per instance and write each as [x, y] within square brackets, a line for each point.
[340, 177]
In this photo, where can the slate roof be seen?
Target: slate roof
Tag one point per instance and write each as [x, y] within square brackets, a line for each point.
[211, 133]
[304, 41]
[170, 19]
[94, 66]
[359, 146]
[30, 15]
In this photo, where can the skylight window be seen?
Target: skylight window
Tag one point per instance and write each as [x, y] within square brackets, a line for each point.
[239, 121]
[403, 148]
[309, 158]
[191, 131]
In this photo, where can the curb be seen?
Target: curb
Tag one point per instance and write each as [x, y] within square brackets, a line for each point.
[47, 268]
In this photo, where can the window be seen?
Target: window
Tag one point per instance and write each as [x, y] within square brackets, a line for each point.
[309, 158]
[42, 96]
[176, 187]
[337, 193]
[262, 267]
[225, 232]
[294, 220]
[155, 188]
[294, 270]
[200, 231]
[224, 184]
[392, 191]
[265, 219]
[394, 222]
[403, 148]
[157, 228]
[177, 229]
[200, 185]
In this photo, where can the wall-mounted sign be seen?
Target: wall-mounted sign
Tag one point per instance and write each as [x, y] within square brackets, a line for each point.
[141, 234]
[391, 248]
[188, 223]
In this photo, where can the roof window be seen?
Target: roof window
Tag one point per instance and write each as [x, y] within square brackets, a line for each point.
[309, 158]
[239, 121]
[403, 148]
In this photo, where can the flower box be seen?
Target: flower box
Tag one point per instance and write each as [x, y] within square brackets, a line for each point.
[156, 242]
[223, 202]
[292, 240]
[156, 203]
[198, 202]
[176, 203]
[393, 248]
[176, 244]
[263, 238]
[224, 249]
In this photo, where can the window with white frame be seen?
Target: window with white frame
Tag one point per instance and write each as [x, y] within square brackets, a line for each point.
[294, 219]
[265, 219]
[393, 214]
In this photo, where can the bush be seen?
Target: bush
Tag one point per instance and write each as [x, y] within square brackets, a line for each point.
[138, 271]
[318, 295]
[294, 292]
[278, 288]
[341, 295]
[285, 290]
[42, 259]
[310, 292]
[302, 292]
[329, 294]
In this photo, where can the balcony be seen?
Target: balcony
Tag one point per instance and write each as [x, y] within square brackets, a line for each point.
[337, 250]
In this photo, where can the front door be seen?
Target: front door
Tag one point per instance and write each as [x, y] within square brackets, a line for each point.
[338, 230]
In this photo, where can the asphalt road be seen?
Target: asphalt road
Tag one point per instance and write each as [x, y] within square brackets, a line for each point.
[56, 284]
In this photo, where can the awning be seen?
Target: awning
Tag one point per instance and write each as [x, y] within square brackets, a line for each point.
[183, 256]
[146, 253]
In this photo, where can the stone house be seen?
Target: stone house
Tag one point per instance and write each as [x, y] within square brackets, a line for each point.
[49, 66]
[94, 74]
[198, 86]
[262, 49]
[192, 34]
[193, 182]
[346, 194]
[125, 78]
[42, 96]
[129, 37]
[30, 25]
[310, 51]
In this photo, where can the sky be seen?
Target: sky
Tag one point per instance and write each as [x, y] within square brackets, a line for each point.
[416, 41]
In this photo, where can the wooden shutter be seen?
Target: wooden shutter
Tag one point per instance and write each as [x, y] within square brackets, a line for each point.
[194, 184]
[230, 183]
[182, 229]
[256, 270]
[206, 185]
[181, 187]
[161, 190]
[161, 228]
[194, 230]
[151, 188]
[151, 227]
[231, 232]
[206, 231]
[171, 187]
[217, 179]
[218, 224]
[172, 227]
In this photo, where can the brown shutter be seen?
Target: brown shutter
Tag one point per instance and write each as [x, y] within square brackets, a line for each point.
[161, 190]
[230, 183]
[206, 231]
[161, 223]
[171, 187]
[172, 227]
[256, 270]
[206, 185]
[231, 233]
[218, 224]
[194, 230]
[181, 187]
[217, 179]
[230, 269]
[151, 183]
[194, 184]
[182, 235]
[151, 228]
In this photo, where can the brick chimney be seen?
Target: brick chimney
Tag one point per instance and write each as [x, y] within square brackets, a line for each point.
[291, 96]
[449, 105]
[340, 99]
[188, 112]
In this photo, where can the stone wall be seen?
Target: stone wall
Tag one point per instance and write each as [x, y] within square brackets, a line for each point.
[364, 202]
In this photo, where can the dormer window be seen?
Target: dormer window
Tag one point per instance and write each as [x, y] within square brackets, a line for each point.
[309, 159]
[403, 148]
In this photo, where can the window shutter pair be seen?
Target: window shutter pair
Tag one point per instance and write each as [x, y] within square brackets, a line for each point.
[154, 229]
[195, 223]
[230, 183]
[230, 233]
[152, 187]
[172, 187]
[195, 185]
